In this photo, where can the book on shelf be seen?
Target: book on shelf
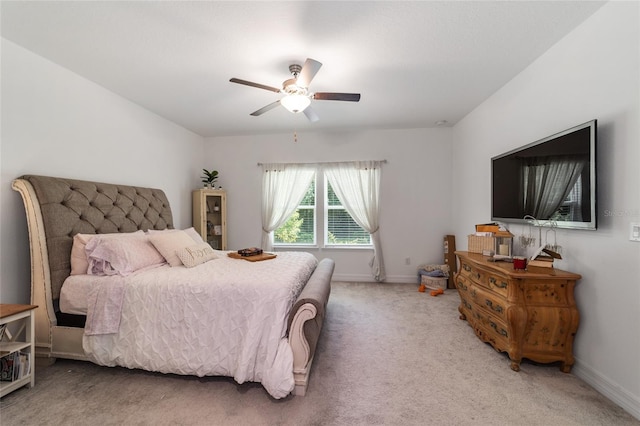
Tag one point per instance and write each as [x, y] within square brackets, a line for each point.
[15, 366]
[7, 367]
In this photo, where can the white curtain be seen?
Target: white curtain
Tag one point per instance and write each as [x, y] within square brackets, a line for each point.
[357, 185]
[283, 187]
[547, 182]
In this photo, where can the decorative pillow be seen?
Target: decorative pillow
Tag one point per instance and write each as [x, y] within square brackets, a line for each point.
[121, 256]
[79, 260]
[168, 243]
[196, 255]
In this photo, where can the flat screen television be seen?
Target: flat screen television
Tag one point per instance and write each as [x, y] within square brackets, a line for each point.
[550, 182]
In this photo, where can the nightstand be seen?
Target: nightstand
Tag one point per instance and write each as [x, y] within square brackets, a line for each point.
[18, 351]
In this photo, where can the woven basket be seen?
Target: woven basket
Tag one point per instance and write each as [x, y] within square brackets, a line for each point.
[434, 283]
[477, 244]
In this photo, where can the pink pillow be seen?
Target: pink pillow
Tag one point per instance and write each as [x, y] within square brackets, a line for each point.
[169, 243]
[79, 261]
[121, 256]
[190, 231]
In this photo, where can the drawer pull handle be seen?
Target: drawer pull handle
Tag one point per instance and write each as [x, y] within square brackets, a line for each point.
[495, 283]
[466, 267]
[496, 308]
[502, 330]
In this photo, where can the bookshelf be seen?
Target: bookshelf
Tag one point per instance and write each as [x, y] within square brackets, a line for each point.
[210, 216]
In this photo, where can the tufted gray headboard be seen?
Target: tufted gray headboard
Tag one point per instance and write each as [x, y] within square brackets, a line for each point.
[71, 206]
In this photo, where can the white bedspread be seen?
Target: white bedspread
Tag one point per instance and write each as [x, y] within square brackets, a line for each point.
[227, 317]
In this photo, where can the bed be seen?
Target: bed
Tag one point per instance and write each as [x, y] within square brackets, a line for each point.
[57, 209]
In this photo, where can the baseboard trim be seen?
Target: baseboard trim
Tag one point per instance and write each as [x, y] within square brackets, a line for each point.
[363, 278]
[614, 392]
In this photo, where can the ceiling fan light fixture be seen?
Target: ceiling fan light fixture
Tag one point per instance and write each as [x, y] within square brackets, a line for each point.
[295, 103]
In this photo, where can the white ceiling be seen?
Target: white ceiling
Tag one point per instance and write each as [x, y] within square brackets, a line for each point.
[414, 63]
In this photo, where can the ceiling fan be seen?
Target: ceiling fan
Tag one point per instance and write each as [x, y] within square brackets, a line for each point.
[296, 90]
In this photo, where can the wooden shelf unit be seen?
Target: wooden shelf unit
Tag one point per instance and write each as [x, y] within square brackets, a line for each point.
[210, 216]
[24, 314]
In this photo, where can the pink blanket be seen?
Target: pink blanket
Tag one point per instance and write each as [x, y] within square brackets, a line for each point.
[104, 303]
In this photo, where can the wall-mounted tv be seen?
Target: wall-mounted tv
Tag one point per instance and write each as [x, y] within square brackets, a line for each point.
[550, 182]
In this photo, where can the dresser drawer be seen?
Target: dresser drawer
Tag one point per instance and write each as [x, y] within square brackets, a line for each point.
[462, 283]
[491, 329]
[490, 302]
[492, 281]
[470, 271]
[498, 284]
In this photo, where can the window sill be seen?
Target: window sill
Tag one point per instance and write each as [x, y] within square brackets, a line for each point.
[315, 247]
[348, 247]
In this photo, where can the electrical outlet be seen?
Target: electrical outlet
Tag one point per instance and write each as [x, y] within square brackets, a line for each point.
[407, 261]
[634, 233]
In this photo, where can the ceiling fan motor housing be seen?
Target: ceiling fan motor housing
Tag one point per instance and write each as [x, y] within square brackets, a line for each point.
[295, 69]
[290, 87]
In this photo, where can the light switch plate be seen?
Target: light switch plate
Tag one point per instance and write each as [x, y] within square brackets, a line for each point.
[634, 233]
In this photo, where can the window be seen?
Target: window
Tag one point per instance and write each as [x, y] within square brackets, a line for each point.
[336, 224]
[340, 228]
[300, 228]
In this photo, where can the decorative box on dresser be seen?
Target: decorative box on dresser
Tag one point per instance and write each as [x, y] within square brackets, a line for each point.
[210, 216]
[527, 314]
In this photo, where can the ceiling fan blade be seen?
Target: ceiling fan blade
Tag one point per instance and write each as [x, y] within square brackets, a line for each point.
[326, 96]
[259, 86]
[309, 70]
[266, 108]
[311, 114]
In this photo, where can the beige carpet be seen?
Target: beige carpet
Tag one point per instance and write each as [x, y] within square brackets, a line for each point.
[388, 356]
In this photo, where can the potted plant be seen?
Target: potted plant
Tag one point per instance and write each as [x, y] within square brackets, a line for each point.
[209, 177]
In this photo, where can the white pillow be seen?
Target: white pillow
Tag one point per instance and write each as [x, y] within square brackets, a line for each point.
[194, 234]
[196, 254]
[79, 260]
[121, 256]
[168, 243]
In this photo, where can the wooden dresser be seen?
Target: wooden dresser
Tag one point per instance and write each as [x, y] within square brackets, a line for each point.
[527, 314]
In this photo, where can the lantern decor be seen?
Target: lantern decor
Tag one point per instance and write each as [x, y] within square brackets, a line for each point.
[503, 244]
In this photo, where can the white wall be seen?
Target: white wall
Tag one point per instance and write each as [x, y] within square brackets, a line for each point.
[56, 123]
[592, 73]
[415, 192]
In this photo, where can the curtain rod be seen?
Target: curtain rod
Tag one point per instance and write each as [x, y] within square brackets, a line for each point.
[327, 162]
